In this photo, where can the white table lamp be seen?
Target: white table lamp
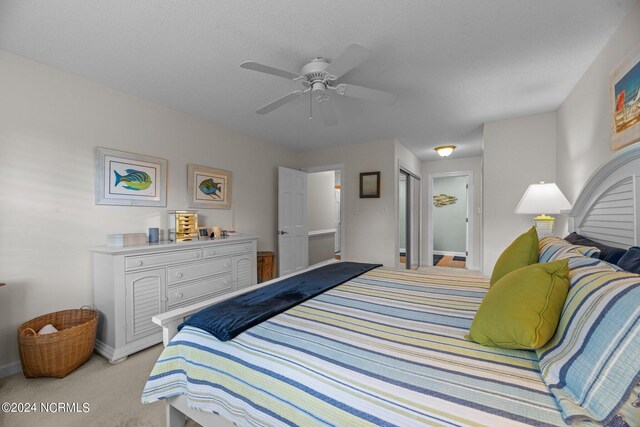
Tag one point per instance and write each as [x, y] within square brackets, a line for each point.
[541, 199]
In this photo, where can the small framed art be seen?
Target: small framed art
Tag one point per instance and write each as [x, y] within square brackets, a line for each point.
[624, 86]
[204, 232]
[369, 185]
[208, 188]
[128, 179]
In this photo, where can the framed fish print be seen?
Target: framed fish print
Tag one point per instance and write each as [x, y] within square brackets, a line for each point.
[208, 188]
[128, 179]
[625, 101]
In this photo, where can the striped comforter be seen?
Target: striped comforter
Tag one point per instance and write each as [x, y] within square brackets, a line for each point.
[385, 348]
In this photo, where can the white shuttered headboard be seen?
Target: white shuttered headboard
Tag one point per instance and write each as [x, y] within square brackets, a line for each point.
[607, 209]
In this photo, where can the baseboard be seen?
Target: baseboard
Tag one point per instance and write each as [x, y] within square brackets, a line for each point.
[10, 369]
[447, 253]
[114, 355]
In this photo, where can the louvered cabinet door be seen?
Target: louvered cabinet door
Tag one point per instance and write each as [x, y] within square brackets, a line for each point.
[242, 268]
[145, 298]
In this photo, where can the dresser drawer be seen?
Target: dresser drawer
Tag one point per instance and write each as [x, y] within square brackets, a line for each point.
[178, 295]
[145, 261]
[210, 267]
[214, 251]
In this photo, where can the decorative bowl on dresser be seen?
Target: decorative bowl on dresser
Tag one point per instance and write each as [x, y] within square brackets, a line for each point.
[133, 284]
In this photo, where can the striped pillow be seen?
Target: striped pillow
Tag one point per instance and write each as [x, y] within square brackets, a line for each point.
[552, 247]
[592, 363]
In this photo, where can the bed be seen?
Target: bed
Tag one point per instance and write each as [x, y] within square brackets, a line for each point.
[384, 348]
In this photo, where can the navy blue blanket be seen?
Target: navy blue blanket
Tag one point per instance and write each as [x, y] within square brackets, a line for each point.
[229, 318]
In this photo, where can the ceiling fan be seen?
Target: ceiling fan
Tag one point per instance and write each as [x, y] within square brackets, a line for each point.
[320, 76]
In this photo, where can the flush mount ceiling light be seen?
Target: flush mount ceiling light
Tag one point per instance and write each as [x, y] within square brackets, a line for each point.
[445, 150]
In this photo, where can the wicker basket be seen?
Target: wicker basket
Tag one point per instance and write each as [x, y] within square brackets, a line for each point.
[57, 354]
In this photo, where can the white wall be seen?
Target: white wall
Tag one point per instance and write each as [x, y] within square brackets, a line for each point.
[452, 164]
[50, 124]
[321, 248]
[517, 152]
[370, 224]
[584, 121]
[449, 221]
[321, 208]
[321, 202]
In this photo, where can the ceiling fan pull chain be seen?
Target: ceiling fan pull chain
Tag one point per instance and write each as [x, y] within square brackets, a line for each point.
[310, 103]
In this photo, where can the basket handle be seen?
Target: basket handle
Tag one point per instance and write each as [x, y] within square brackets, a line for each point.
[88, 307]
[27, 330]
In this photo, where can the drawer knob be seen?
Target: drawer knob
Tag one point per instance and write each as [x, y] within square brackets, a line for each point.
[179, 275]
[213, 252]
[226, 265]
[226, 282]
[179, 295]
[196, 255]
[140, 262]
[247, 247]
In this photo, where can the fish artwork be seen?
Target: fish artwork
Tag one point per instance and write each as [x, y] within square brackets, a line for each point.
[444, 200]
[133, 180]
[210, 188]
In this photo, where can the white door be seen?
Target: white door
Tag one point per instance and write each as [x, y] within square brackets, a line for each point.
[293, 237]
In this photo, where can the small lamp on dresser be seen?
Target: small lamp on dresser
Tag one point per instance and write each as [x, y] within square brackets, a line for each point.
[542, 199]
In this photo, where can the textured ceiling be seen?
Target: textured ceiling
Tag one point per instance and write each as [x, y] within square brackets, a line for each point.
[454, 64]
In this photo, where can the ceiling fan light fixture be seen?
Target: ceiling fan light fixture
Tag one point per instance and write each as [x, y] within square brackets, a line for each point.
[318, 87]
[445, 150]
[320, 75]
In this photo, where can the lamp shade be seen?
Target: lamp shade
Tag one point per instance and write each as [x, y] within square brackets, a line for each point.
[542, 198]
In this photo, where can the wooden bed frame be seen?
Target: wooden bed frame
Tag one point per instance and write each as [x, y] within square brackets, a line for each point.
[607, 211]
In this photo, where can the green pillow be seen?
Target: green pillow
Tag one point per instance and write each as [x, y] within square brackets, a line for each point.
[521, 252]
[522, 310]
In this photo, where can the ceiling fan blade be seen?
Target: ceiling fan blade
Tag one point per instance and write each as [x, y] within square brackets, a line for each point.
[349, 59]
[279, 102]
[327, 113]
[269, 70]
[366, 94]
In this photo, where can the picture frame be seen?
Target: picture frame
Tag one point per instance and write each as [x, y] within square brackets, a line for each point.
[128, 179]
[624, 88]
[369, 185]
[204, 232]
[208, 188]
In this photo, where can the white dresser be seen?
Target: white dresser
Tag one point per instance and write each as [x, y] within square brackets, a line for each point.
[133, 284]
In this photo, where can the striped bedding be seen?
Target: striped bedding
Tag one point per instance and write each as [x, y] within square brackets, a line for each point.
[385, 348]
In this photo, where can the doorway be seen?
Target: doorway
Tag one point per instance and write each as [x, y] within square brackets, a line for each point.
[325, 212]
[409, 219]
[450, 220]
[310, 217]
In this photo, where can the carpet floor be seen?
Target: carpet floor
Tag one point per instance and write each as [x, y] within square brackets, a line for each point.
[112, 393]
